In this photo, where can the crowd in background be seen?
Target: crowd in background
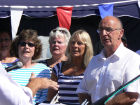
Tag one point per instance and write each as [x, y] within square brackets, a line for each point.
[73, 66]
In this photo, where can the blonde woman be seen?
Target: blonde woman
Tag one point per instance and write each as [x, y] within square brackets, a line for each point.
[69, 73]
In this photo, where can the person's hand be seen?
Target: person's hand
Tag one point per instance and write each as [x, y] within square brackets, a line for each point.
[36, 84]
[126, 98]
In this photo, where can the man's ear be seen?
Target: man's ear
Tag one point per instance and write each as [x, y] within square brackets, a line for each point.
[121, 33]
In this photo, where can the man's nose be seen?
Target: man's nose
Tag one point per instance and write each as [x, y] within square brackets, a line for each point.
[103, 32]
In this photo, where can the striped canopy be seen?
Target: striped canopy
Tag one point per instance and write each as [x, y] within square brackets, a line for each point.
[82, 8]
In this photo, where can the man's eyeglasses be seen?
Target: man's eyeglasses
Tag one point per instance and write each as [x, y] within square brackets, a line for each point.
[62, 31]
[28, 43]
[107, 29]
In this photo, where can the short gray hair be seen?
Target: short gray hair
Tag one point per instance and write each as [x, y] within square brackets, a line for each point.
[60, 32]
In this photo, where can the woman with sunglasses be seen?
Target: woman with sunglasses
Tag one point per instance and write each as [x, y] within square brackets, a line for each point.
[58, 40]
[27, 47]
[69, 73]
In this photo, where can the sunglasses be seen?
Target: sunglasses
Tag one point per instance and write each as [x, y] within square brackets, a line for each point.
[28, 43]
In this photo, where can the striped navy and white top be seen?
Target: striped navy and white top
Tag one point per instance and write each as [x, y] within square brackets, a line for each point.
[67, 86]
[22, 77]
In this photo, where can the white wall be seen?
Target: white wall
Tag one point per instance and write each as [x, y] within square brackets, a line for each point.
[45, 47]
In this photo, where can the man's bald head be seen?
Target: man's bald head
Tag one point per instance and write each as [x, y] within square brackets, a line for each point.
[113, 19]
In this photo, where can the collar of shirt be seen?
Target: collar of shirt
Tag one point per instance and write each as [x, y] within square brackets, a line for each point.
[115, 56]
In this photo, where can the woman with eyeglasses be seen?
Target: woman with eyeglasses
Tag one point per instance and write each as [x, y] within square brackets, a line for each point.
[69, 73]
[58, 40]
[27, 47]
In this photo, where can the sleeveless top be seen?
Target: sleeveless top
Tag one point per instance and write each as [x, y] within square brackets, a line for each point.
[67, 86]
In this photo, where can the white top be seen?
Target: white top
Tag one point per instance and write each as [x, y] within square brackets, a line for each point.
[11, 93]
[104, 75]
[138, 52]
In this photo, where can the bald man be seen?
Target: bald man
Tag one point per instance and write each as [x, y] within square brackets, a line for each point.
[113, 67]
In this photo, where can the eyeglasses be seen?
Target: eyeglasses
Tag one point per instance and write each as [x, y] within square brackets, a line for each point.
[107, 29]
[28, 43]
[62, 31]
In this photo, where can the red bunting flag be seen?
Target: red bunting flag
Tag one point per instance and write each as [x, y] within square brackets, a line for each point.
[64, 16]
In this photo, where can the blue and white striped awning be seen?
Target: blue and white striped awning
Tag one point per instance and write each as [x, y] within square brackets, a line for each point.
[47, 8]
[82, 8]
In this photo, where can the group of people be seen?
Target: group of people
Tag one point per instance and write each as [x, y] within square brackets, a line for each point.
[73, 72]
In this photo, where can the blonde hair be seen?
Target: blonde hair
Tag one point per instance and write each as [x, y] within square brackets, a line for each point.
[85, 39]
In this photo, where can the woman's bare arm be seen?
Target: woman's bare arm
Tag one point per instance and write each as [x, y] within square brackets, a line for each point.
[52, 92]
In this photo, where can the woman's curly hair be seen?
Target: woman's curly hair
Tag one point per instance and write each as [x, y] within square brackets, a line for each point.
[27, 35]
